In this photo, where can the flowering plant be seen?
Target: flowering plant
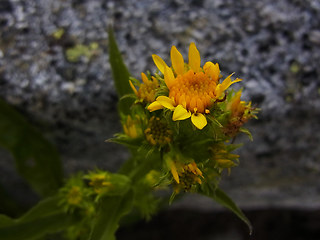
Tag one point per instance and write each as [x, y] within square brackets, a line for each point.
[178, 123]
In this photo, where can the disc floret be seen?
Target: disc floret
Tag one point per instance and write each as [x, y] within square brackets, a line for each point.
[157, 132]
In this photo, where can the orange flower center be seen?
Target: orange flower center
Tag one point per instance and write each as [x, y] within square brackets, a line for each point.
[194, 91]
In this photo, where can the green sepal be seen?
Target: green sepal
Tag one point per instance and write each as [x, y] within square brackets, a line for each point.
[37, 161]
[126, 141]
[247, 132]
[233, 146]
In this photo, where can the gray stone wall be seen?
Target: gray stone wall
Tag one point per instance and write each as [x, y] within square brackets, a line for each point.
[273, 45]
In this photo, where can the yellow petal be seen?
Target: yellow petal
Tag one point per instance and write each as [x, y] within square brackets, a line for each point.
[236, 80]
[177, 60]
[235, 102]
[166, 102]
[174, 172]
[227, 82]
[212, 70]
[180, 113]
[199, 172]
[161, 65]
[144, 78]
[199, 120]
[218, 91]
[133, 88]
[155, 106]
[171, 165]
[155, 80]
[168, 76]
[221, 87]
[194, 58]
[192, 168]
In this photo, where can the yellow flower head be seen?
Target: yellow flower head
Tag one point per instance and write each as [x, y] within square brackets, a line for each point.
[147, 89]
[236, 106]
[157, 132]
[222, 158]
[184, 175]
[99, 181]
[132, 127]
[74, 195]
[240, 113]
[192, 88]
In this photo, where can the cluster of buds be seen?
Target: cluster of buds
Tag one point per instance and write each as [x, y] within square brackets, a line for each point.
[81, 193]
[186, 115]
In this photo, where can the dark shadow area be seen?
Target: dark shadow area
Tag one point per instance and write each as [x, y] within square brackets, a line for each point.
[271, 224]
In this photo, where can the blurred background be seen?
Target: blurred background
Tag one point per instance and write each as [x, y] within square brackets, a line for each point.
[54, 70]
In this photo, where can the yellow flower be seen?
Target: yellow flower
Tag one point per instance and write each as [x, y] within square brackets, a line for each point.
[157, 132]
[222, 158]
[74, 195]
[184, 175]
[236, 106]
[132, 127]
[192, 88]
[240, 113]
[99, 181]
[147, 89]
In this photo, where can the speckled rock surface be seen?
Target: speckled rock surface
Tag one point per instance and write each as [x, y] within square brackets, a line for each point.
[273, 45]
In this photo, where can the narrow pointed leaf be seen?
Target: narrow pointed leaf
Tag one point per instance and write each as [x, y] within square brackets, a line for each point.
[119, 70]
[222, 198]
[120, 74]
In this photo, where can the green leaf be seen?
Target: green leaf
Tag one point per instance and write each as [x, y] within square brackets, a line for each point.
[120, 74]
[119, 70]
[110, 211]
[5, 221]
[222, 198]
[36, 159]
[46, 217]
[44, 208]
[36, 229]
